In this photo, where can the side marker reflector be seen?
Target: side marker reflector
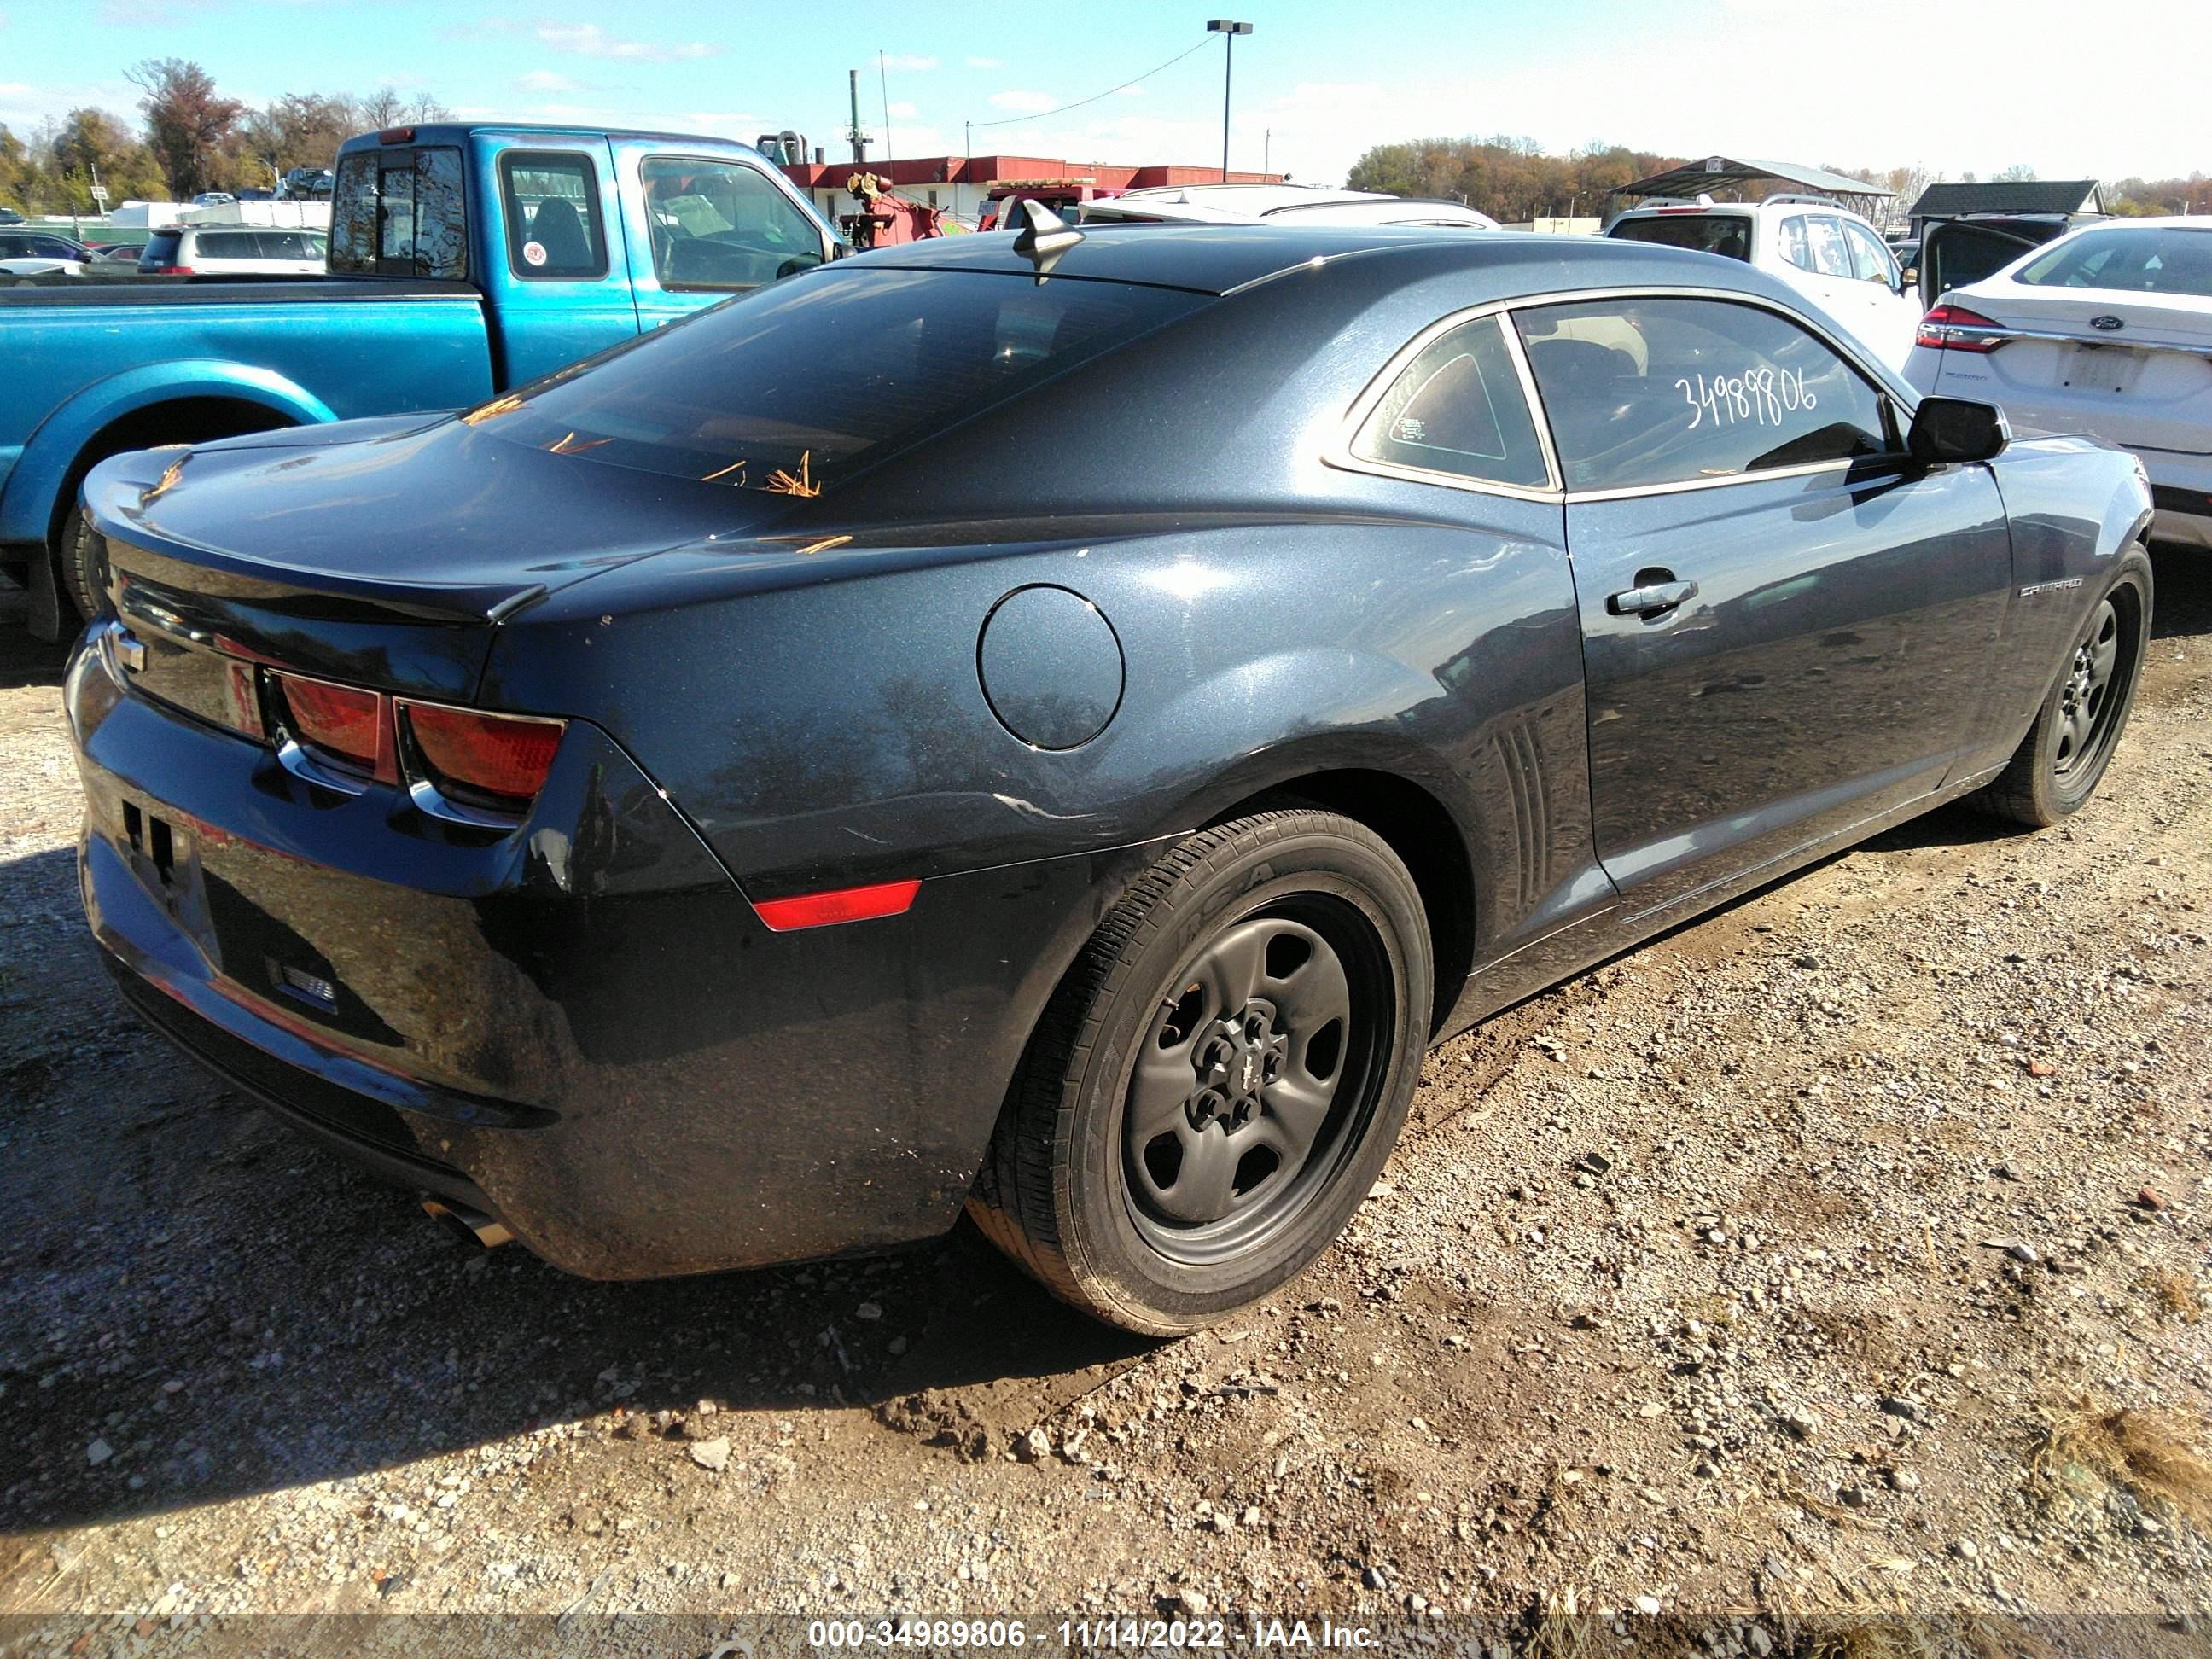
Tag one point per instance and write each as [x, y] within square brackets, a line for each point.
[890, 898]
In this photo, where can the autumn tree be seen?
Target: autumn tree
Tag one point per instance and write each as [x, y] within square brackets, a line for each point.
[188, 122]
[1510, 178]
[303, 129]
[89, 147]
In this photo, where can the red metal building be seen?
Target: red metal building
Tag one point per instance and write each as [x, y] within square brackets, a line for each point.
[955, 184]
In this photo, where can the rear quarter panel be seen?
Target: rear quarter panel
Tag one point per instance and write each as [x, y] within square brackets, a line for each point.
[837, 733]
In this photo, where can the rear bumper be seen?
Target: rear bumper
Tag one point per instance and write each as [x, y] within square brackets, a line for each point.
[580, 1028]
[2181, 492]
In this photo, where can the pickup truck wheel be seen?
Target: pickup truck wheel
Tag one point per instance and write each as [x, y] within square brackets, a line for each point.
[2058, 763]
[1210, 1092]
[84, 565]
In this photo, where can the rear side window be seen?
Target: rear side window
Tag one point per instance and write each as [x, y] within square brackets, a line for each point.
[1727, 234]
[1830, 256]
[399, 213]
[2137, 259]
[723, 225]
[791, 388]
[1457, 409]
[228, 244]
[553, 225]
[1796, 246]
[1648, 391]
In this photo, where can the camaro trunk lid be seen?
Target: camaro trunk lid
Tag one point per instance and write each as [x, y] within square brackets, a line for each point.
[384, 563]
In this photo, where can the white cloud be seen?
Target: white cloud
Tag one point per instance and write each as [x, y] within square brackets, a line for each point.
[901, 60]
[15, 88]
[590, 40]
[740, 125]
[544, 80]
[903, 112]
[987, 63]
[1023, 103]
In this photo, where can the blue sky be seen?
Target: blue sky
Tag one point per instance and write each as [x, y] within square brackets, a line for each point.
[1970, 84]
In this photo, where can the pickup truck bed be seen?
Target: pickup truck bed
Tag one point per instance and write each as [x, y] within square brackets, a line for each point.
[218, 357]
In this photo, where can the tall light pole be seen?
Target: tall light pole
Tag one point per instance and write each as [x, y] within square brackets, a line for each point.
[1229, 29]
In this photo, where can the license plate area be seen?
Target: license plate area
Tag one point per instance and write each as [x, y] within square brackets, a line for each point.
[164, 857]
[2109, 370]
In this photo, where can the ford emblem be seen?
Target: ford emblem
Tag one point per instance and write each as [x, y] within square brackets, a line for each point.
[2108, 323]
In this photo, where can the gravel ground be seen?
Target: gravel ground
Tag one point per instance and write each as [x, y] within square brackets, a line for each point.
[1842, 1253]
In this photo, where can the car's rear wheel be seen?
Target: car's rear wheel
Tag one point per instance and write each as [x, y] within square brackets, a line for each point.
[2058, 763]
[1217, 1082]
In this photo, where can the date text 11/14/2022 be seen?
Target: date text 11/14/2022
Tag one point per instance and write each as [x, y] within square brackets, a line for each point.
[1087, 1634]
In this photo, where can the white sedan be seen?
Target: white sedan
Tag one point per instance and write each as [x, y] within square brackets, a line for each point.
[2108, 330]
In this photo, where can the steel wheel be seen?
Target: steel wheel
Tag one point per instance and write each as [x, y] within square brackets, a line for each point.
[1252, 1079]
[2085, 702]
[1219, 1077]
[2055, 768]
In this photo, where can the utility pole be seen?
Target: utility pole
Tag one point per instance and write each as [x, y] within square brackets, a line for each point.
[1229, 29]
[856, 134]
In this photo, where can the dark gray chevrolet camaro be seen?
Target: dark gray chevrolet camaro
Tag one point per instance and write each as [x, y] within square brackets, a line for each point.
[918, 736]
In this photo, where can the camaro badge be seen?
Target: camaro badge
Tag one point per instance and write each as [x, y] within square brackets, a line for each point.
[2034, 588]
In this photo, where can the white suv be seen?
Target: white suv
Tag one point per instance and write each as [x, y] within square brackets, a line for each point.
[1819, 247]
[235, 251]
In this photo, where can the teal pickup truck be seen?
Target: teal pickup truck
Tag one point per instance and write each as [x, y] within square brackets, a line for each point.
[465, 260]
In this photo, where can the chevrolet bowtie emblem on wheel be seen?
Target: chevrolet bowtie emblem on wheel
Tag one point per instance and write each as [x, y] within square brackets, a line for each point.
[2107, 322]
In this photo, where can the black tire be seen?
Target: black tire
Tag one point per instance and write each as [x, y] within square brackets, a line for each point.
[2058, 763]
[84, 565]
[1284, 1125]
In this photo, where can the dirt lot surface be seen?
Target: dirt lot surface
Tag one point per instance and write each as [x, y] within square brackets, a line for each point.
[1844, 1251]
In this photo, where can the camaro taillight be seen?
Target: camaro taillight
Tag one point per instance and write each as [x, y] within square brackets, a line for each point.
[1954, 328]
[337, 723]
[498, 760]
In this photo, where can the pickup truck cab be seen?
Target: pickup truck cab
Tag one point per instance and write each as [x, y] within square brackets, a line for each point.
[465, 260]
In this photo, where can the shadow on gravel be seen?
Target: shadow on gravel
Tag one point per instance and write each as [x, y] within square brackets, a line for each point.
[2182, 604]
[24, 660]
[211, 1306]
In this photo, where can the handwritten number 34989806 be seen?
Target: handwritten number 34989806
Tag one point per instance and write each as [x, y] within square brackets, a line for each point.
[1760, 395]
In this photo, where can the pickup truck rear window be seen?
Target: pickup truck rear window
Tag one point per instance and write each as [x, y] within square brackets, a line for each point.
[399, 213]
[791, 388]
[1727, 234]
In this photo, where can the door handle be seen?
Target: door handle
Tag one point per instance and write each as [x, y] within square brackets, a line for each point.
[1652, 599]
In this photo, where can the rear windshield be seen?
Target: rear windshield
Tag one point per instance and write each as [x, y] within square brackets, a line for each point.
[2139, 260]
[161, 248]
[1727, 234]
[400, 213]
[794, 387]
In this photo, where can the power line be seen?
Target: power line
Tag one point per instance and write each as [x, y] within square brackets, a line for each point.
[1040, 115]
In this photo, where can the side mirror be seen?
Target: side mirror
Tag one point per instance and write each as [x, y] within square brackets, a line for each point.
[1957, 429]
